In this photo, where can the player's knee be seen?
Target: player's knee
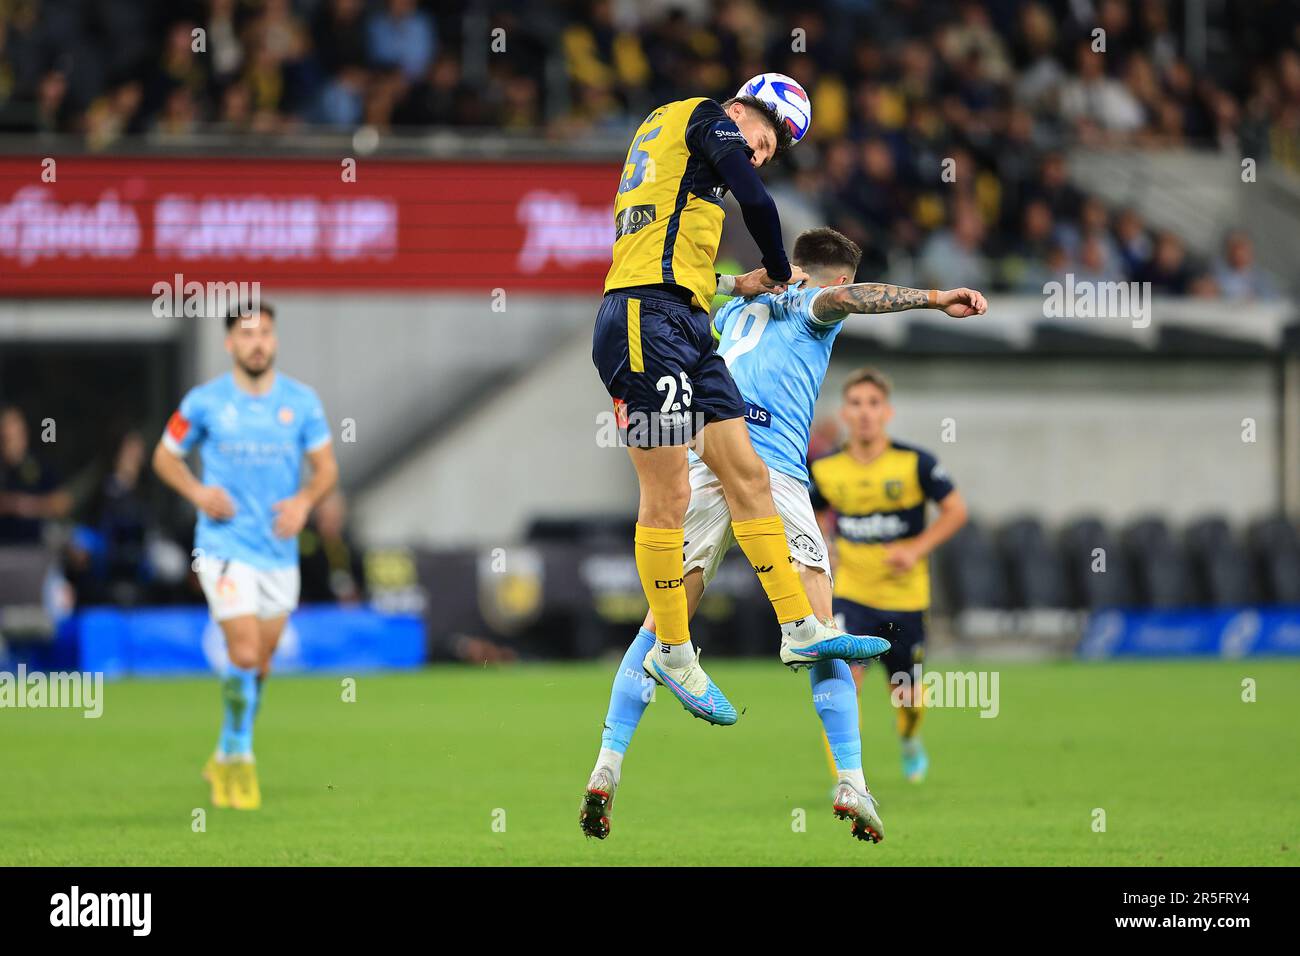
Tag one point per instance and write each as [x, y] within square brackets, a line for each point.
[245, 657]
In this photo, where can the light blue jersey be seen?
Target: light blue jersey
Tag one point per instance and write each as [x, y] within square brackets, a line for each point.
[777, 352]
[252, 446]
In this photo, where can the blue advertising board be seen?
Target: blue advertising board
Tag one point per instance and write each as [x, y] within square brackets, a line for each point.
[1227, 632]
[151, 641]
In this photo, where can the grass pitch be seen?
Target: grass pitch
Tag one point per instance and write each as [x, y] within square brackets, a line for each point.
[460, 765]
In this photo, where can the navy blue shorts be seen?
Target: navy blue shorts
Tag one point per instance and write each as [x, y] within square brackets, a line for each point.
[656, 356]
[907, 643]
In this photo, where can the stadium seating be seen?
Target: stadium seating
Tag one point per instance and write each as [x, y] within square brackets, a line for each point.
[1275, 549]
[1161, 575]
[973, 571]
[1084, 542]
[1220, 564]
[1035, 571]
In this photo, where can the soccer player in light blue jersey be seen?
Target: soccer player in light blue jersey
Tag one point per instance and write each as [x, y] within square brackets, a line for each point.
[253, 427]
[777, 347]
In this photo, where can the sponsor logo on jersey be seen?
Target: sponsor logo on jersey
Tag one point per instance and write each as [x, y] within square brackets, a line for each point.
[893, 489]
[876, 527]
[633, 219]
[285, 415]
[758, 415]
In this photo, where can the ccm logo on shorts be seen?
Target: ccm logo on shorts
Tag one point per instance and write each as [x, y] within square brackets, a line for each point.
[758, 415]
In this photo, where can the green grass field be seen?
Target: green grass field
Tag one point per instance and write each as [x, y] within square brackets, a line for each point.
[419, 768]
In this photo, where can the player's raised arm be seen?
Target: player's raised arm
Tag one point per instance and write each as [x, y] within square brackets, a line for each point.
[736, 140]
[835, 302]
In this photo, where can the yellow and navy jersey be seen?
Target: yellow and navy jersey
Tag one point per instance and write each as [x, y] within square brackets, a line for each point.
[668, 209]
[875, 504]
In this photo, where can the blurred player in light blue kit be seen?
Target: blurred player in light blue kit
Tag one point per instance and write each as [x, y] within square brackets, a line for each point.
[253, 427]
[777, 348]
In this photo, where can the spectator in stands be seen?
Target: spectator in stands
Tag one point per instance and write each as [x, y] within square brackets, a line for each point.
[402, 38]
[107, 559]
[1169, 272]
[1236, 276]
[1024, 267]
[53, 109]
[598, 56]
[1100, 107]
[440, 98]
[1093, 263]
[331, 564]
[1132, 242]
[224, 49]
[339, 35]
[1055, 188]
[955, 254]
[30, 492]
[181, 76]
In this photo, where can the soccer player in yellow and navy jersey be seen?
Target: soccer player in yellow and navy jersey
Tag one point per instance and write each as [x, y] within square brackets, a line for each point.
[871, 496]
[654, 349]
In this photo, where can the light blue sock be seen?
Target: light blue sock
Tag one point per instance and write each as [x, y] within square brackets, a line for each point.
[239, 693]
[629, 696]
[836, 699]
[227, 721]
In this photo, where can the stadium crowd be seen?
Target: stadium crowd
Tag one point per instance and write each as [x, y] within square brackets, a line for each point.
[999, 87]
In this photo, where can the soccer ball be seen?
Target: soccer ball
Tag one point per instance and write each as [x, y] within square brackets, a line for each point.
[786, 96]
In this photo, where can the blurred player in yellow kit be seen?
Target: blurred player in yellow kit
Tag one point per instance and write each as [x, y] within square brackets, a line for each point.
[871, 497]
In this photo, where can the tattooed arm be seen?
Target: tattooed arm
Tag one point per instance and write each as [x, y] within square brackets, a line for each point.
[835, 302]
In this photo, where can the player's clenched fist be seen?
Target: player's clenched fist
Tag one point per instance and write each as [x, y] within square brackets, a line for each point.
[214, 502]
[960, 303]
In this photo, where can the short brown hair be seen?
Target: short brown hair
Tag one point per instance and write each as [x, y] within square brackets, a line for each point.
[868, 376]
[825, 248]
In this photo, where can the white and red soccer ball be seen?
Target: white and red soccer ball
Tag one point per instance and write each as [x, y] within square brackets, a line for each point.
[786, 96]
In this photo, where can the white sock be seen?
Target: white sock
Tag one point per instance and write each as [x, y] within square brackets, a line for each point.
[802, 629]
[675, 655]
[854, 777]
[611, 759]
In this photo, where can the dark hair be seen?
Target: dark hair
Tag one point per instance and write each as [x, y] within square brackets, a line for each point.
[824, 248]
[784, 138]
[244, 311]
